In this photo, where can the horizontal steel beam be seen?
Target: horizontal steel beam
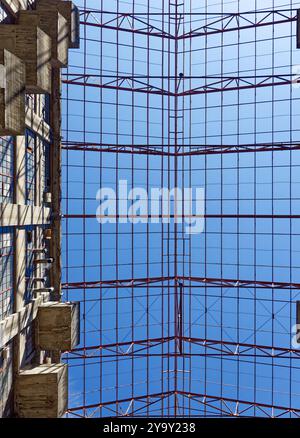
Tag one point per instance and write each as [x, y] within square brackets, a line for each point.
[209, 23]
[207, 84]
[215, 84]
[126, 283]
[239, 407]
[208, 347]
[239, 283]
[159, 395]
[238, 21]
[117, 148]
[181, 150]
[229, 406]
[185, 280]
[121, 83]
[205, 216]
[240, 148]
[125, 22]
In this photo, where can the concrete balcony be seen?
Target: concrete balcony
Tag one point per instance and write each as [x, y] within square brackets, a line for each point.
[69, 11]
[58, 326]
[12, 94]
[31, 45]
[42, 391]
[56, 26]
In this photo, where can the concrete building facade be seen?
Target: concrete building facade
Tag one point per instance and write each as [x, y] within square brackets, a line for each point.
[34, 41]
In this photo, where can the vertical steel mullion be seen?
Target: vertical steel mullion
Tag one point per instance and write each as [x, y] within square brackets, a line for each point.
[147, 226]
[101, 380]
[254, 222]
[238, 220]
[291, 212]
[182, 246]
[175, 307]
[117, 221]
[221, 201]
[132, 225]
[273, 228]
[206, 290]
[84, 210]
[162, 185]
[190, 241]
[168, 225]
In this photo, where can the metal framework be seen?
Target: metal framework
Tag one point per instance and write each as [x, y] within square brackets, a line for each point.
[177, 324]
[6, 175]
[6, 272]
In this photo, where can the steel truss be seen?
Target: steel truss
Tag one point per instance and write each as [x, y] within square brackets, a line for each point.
[241, 21]
[213, 282]
[174, 87]
[170, 216]
[115, 148]
[182, 151]
[210, 84]
[133, 23]
[227, 22]
[207, 347]
[223, 406]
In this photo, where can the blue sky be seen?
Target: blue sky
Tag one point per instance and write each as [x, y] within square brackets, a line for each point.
[249, 183]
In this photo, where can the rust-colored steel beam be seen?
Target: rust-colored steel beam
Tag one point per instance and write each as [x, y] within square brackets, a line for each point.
[142, 398]
[238, 407]
[205, 216]
[136, 84]
[132, 282]
[225, 405]
[241, 148]
[125, 22]
[230, 22]
[143, 23]
[182, 150]
[208, 84]
[187, 281]
[122, 349]
[223, 282]
[219, 347]
[216, 84]
[118, 149]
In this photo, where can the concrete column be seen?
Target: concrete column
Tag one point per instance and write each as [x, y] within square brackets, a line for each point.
[56, 181]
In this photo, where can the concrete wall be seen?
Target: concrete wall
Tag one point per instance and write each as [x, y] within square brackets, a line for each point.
[17, 347]
[34, 36]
